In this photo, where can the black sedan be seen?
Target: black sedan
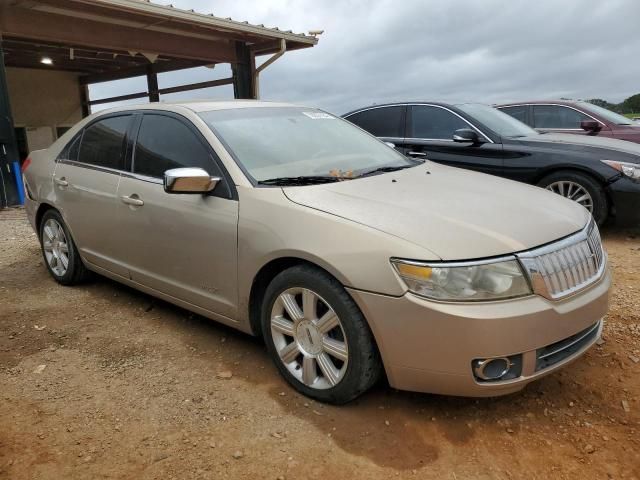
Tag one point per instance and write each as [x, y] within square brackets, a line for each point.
[601, 174]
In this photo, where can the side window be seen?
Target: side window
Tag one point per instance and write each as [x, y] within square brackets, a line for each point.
[70, 151]
[555, 116]
[103, 142]
[519, 112]
[434, 123]
[165, 143]
[381, 122]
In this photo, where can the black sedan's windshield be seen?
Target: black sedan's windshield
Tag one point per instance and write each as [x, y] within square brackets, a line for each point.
[289, 143]
[497, 121]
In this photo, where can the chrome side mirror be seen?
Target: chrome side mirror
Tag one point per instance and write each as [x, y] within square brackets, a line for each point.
[189, 180]
[466, 135]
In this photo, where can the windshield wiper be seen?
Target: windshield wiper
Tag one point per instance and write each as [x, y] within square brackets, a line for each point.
[302, 180]
[385, 169]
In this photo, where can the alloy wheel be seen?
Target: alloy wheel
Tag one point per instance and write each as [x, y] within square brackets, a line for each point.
[56, 247]
[573, 191]
[309, 338]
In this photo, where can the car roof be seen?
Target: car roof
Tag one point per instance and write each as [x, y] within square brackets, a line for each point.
[536, 102]
[415, 102]
[197, 105]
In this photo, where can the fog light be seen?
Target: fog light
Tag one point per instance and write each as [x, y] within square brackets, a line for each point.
[497, 368]
[492, 368]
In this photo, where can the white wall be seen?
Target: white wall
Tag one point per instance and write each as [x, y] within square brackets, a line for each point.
[42, 100]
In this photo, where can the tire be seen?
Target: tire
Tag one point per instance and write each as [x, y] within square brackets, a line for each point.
[56, 245]
[568, 184]
[308, 332]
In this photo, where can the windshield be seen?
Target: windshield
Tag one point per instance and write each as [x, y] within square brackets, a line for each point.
[613, 117]
[275, 142]
[501, 123]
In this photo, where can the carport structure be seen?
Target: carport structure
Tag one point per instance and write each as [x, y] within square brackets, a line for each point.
[51, 50]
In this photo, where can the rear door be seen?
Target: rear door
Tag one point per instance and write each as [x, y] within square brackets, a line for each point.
[86, 180]
[183, 245]
[429, 134]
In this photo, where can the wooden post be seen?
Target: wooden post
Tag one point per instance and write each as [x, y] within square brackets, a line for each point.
[243, 72]
[152, 84]
[84, 99]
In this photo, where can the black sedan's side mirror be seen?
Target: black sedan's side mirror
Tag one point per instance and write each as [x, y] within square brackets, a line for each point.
[590, 126]
[466, 135]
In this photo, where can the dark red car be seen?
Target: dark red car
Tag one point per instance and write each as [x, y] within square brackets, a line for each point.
[573, 117]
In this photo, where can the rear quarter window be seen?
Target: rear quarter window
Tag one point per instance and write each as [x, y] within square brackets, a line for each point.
[71, 149]
[103, 142]
[519, 112]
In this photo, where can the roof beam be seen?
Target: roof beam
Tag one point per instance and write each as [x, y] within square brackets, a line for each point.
[35, 25]
[119, 74]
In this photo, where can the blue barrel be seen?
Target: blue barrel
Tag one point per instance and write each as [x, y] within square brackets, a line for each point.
[17, 174]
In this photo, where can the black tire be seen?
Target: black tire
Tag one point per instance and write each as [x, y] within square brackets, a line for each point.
[592, 186]
[363, 368]
[75, 272]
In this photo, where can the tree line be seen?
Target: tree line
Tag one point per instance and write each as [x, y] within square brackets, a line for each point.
[629, 105]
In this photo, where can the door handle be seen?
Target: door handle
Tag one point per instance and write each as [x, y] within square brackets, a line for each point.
[417, 154]
[61, 181]
[132, 200]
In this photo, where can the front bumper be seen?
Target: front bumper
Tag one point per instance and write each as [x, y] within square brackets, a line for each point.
[626, 201]
[429, 346]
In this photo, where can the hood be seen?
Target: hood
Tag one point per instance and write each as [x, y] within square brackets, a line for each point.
[457, 214]
[587, 141]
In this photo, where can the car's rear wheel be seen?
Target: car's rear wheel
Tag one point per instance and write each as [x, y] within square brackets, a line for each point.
[580, 188]
[317, 336]
[59, 251]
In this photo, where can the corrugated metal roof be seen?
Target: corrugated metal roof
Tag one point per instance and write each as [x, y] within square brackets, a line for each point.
[210, 19]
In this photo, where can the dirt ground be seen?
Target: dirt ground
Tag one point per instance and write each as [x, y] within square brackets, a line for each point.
[101, 381]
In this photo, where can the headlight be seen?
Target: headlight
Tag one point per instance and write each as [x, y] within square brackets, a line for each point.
[461, 281]
[631, 170]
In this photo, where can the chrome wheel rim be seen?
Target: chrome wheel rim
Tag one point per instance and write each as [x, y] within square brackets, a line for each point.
[56, 248]
[573, 191]
[309, 338]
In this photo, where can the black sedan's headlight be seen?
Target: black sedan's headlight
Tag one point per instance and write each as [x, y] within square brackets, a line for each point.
[629, 170]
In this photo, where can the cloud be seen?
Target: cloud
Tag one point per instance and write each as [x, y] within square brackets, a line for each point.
[379, 51]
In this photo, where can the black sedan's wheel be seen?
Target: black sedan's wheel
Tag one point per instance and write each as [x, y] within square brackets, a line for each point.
[580, 188]
[60, 253]
[317, 336]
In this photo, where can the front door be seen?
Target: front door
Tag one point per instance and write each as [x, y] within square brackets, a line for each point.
[183, 245]
[429, 135]
[561, 119]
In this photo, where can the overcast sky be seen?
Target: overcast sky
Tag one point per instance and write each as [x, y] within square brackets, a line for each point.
[374, 51]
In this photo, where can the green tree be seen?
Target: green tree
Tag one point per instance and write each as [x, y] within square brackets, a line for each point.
[604, 104]
[631, 104]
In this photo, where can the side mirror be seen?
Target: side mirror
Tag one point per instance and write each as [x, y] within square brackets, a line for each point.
[466, 135]
[189, 180]
[590, 126]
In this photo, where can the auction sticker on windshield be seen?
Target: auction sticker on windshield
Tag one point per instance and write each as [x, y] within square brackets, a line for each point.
[319, 115]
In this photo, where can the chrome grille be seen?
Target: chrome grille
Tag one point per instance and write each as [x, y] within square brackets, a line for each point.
[562, 268]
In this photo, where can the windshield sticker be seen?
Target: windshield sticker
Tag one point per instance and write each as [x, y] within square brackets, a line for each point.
[319, 115]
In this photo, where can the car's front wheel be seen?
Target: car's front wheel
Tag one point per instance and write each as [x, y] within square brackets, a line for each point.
[580, 188]
[317, 336]
[59, 251]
